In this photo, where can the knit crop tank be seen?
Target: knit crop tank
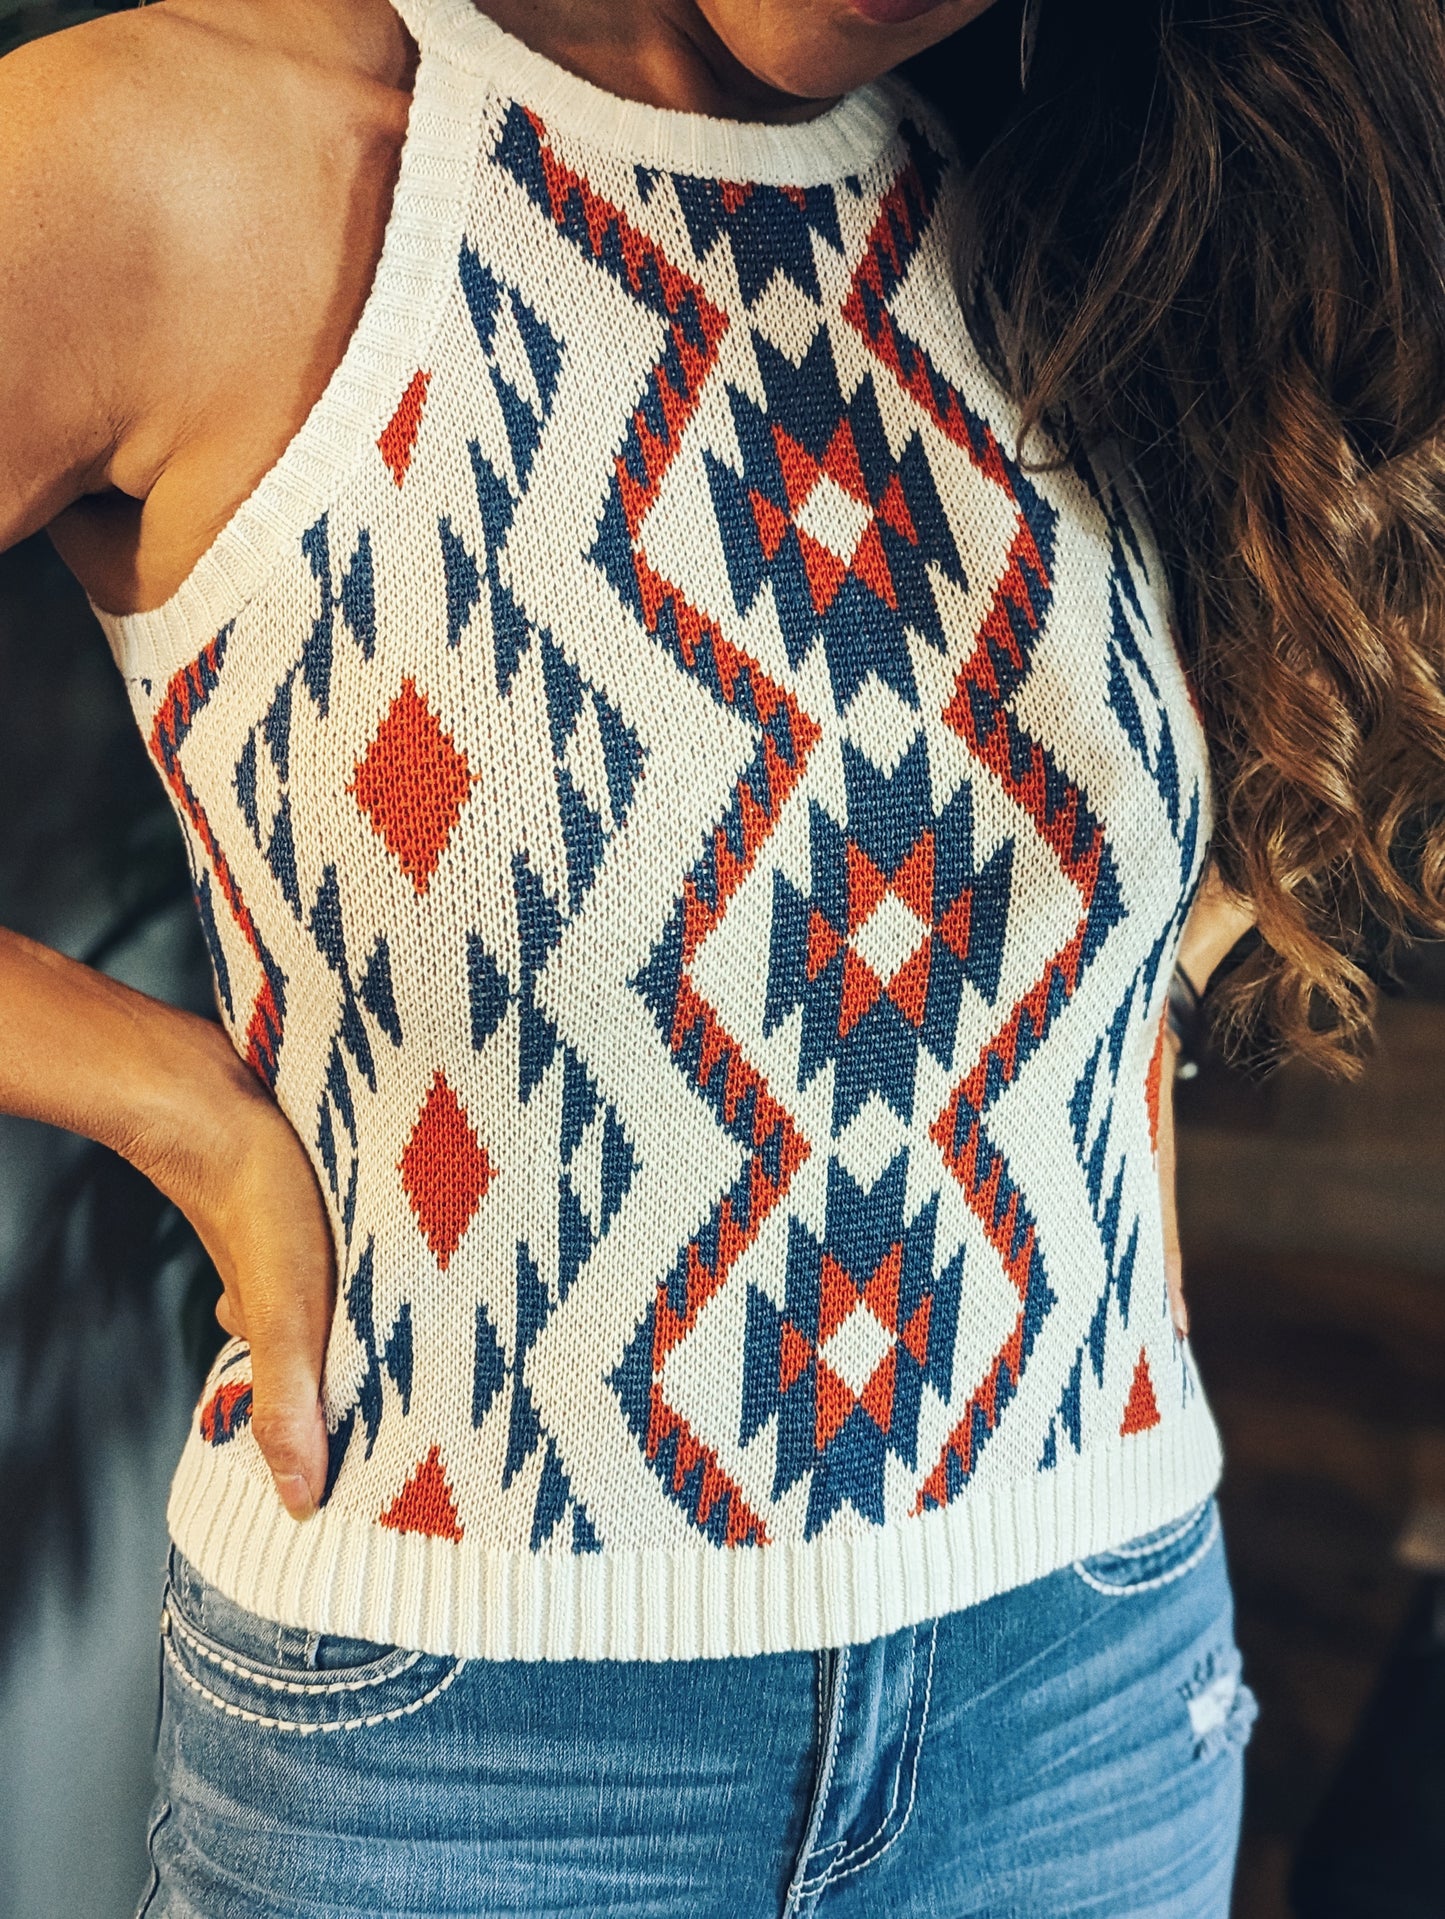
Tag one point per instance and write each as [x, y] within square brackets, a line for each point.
[695, 836]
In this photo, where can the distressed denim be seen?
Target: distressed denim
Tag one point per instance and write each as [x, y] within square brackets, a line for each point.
[1070, 1748]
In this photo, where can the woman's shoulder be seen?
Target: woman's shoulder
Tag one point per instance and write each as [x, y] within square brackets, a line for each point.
[178, 185]
[104, 89]
[83, 136]
[136, 104]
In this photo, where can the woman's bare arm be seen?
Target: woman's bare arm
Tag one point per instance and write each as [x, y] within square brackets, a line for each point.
[1218, 921]
[79, 256]
[168, 1092]
[63, 392]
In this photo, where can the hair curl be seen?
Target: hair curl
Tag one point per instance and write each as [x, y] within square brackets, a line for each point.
[1215, 231]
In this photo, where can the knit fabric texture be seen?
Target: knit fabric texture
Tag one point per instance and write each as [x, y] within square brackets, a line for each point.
[694, 834]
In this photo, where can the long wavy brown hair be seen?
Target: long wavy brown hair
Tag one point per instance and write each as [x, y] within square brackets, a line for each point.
[1215, 230]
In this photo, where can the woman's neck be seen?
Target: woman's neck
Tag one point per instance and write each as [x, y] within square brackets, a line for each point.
[662, 52]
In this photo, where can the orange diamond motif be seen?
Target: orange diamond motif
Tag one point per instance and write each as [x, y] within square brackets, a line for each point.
[412, 784]
[445, 1170]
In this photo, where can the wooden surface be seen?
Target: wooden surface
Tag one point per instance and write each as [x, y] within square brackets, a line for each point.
[1319, 1321]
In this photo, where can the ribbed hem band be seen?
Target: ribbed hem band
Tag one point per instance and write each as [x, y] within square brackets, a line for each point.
[330, 1574]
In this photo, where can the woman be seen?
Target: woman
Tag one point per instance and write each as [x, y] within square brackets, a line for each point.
[693, 819]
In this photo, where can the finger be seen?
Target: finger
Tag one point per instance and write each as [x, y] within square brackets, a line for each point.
[288, 1329]
[229, 1317]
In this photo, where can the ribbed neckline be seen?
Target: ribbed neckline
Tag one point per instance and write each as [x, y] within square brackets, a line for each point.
[842, 141]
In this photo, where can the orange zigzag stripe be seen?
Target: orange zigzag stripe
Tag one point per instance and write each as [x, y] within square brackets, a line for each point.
[759, 814]
[184, 697]
[897, 220]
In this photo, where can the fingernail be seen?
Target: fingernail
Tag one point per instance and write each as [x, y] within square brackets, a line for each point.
[1181, 1323]
[295, 1495]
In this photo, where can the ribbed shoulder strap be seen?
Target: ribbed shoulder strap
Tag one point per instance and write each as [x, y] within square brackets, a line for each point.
[417, 17]
[400, 317]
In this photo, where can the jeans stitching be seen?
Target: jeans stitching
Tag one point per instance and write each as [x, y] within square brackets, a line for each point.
[375, 1674]
[303, 1727]
[1126, 1591]
[809, 1883]
[800, 1891]
[835, 1870]
[893, 1838]
[148, 1898]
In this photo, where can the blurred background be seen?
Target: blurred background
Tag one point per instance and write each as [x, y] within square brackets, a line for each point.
[1314, 1225]
[104, 1297]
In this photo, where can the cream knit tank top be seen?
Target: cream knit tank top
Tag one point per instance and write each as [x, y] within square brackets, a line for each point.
[695, 837]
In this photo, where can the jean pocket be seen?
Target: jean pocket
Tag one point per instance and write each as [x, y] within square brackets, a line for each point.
[1155, 1558]
[285, 1678]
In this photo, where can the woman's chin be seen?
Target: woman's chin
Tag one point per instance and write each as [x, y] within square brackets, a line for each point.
[817, 50]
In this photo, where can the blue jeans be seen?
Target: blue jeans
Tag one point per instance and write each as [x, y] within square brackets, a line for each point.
[1073, 1747]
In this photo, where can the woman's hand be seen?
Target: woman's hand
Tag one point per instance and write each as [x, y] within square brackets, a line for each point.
[167, 1091]
[245, 1183]
[1217, 922]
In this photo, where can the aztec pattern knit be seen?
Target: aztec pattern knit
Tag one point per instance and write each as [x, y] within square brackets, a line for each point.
[695, 836]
